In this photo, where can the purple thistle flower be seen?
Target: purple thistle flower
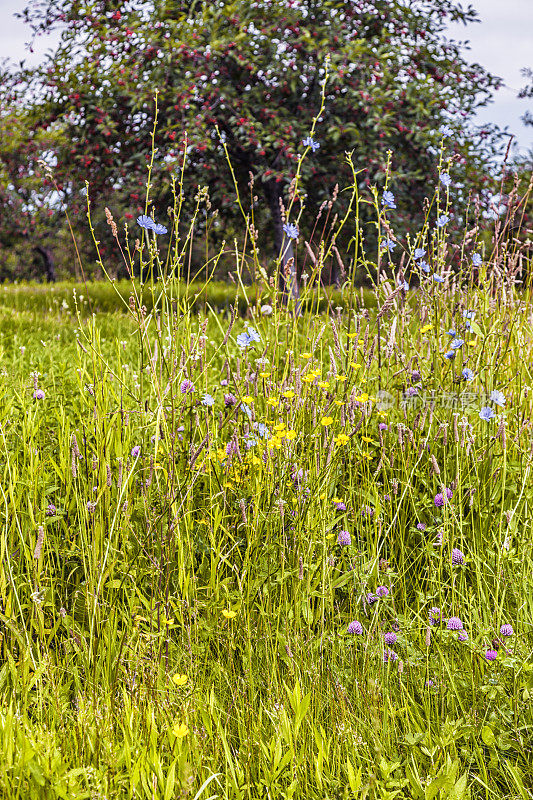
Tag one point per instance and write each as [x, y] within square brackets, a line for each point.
[355, 627]
[389, 655]
[441, 499]
[434, 615]
[340, 506]
[382, 591]
[491, 655]
[462, 636]
[383, 426]
[344, 538]
[230, 400]
[136, 451]
[390, 638]
[458, 556]
[371, 599]
[187, 386]
[506, 630]
[38, 394]
[421, 526]
[454, 624]
[51, 511]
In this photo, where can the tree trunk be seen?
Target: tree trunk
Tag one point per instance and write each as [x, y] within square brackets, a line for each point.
[287, 279]
[48, 262]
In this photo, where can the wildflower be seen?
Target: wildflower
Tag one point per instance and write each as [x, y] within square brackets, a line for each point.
[457, 556]
[382, 591]
[246, 410]
[91, 506]
[445, 179]
[451, 332]
[208, 400]
[38, 394]
[420, 252]
[289, 394]
[390, 638]
[371, 599]
[486, 413]
[187, 386]
[247, 338]
[51, 510]
[228, 613]
[179, 680]
[424, 266]
[491, 655]
[506, 630]
[498, 397]
[291, 230]
[326, 421]
[341, 439]
[355, 627]
[462, 636]
[230, 400]
[383, 427]
[388, 200]
[388, 244]
[426, 328]
[455, 344]
[476, 260]
[180, 731]
[136, 451]
[445, 131]
[421, 526]
[266, 310]
[449, 355]
[434, 615]
[467, 374]
[454, 624]
[389, 655]
[148, 224]
[438, 278]
[262, 430]
[309, 142]
[339, 505]
[442, 220]
[441, 499]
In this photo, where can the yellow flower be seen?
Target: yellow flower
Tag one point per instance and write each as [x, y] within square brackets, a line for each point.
[354, 365]
[326, 420]
[272, 401]
[341, 378]
[351, 335]
[307, 355]
[179, 680]
[323, 384]
[290, 435]
[289, 394]
[280, 426]
[339, 402]
[322, 496]
[229, 614]
[341, 439]
[180, 731]
[472, 343]
[248, 399]
[309, 378]
[426, 328]
[362, 398]
[264, 374]
[366, 439]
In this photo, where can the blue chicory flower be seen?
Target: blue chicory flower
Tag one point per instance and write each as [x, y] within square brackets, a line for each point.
[208, 400]
[498, 397]
[450, 354]
[442, 220]
[420, 252]
[388, 200]
[438, 278]
[309, 142]
[148, 224]
[388, 244]
[423, 265]
[445, 131]
[455, 344]
[486, 413]
[476, 260]
[291, 230]
[445, 179]
[467, 374]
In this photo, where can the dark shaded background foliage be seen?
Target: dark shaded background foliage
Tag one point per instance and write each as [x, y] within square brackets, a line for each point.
[254, 70]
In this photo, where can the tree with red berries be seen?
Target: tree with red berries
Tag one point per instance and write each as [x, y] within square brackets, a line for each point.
[247, 77]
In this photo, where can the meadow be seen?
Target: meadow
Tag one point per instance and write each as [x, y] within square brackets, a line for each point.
[251, 550]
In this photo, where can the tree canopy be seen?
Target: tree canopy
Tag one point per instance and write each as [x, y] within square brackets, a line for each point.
[248, 76]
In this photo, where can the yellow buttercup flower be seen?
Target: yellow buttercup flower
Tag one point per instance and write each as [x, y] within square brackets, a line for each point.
[280, 426]
[354, 365]
[180, 731]
[362, 398]
[351, 335]
[180, 680]
[307, 355]
[228, 613]
[326, 420]
[426, 328]
[342, 378]
[290, 435]
[248, 399]
[341, 439]
[323, 384]
[272, 401]
[289, 394]
[264, 374]
[309, 378]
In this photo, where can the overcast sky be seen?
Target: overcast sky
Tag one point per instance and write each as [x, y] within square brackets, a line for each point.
[502, 42]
